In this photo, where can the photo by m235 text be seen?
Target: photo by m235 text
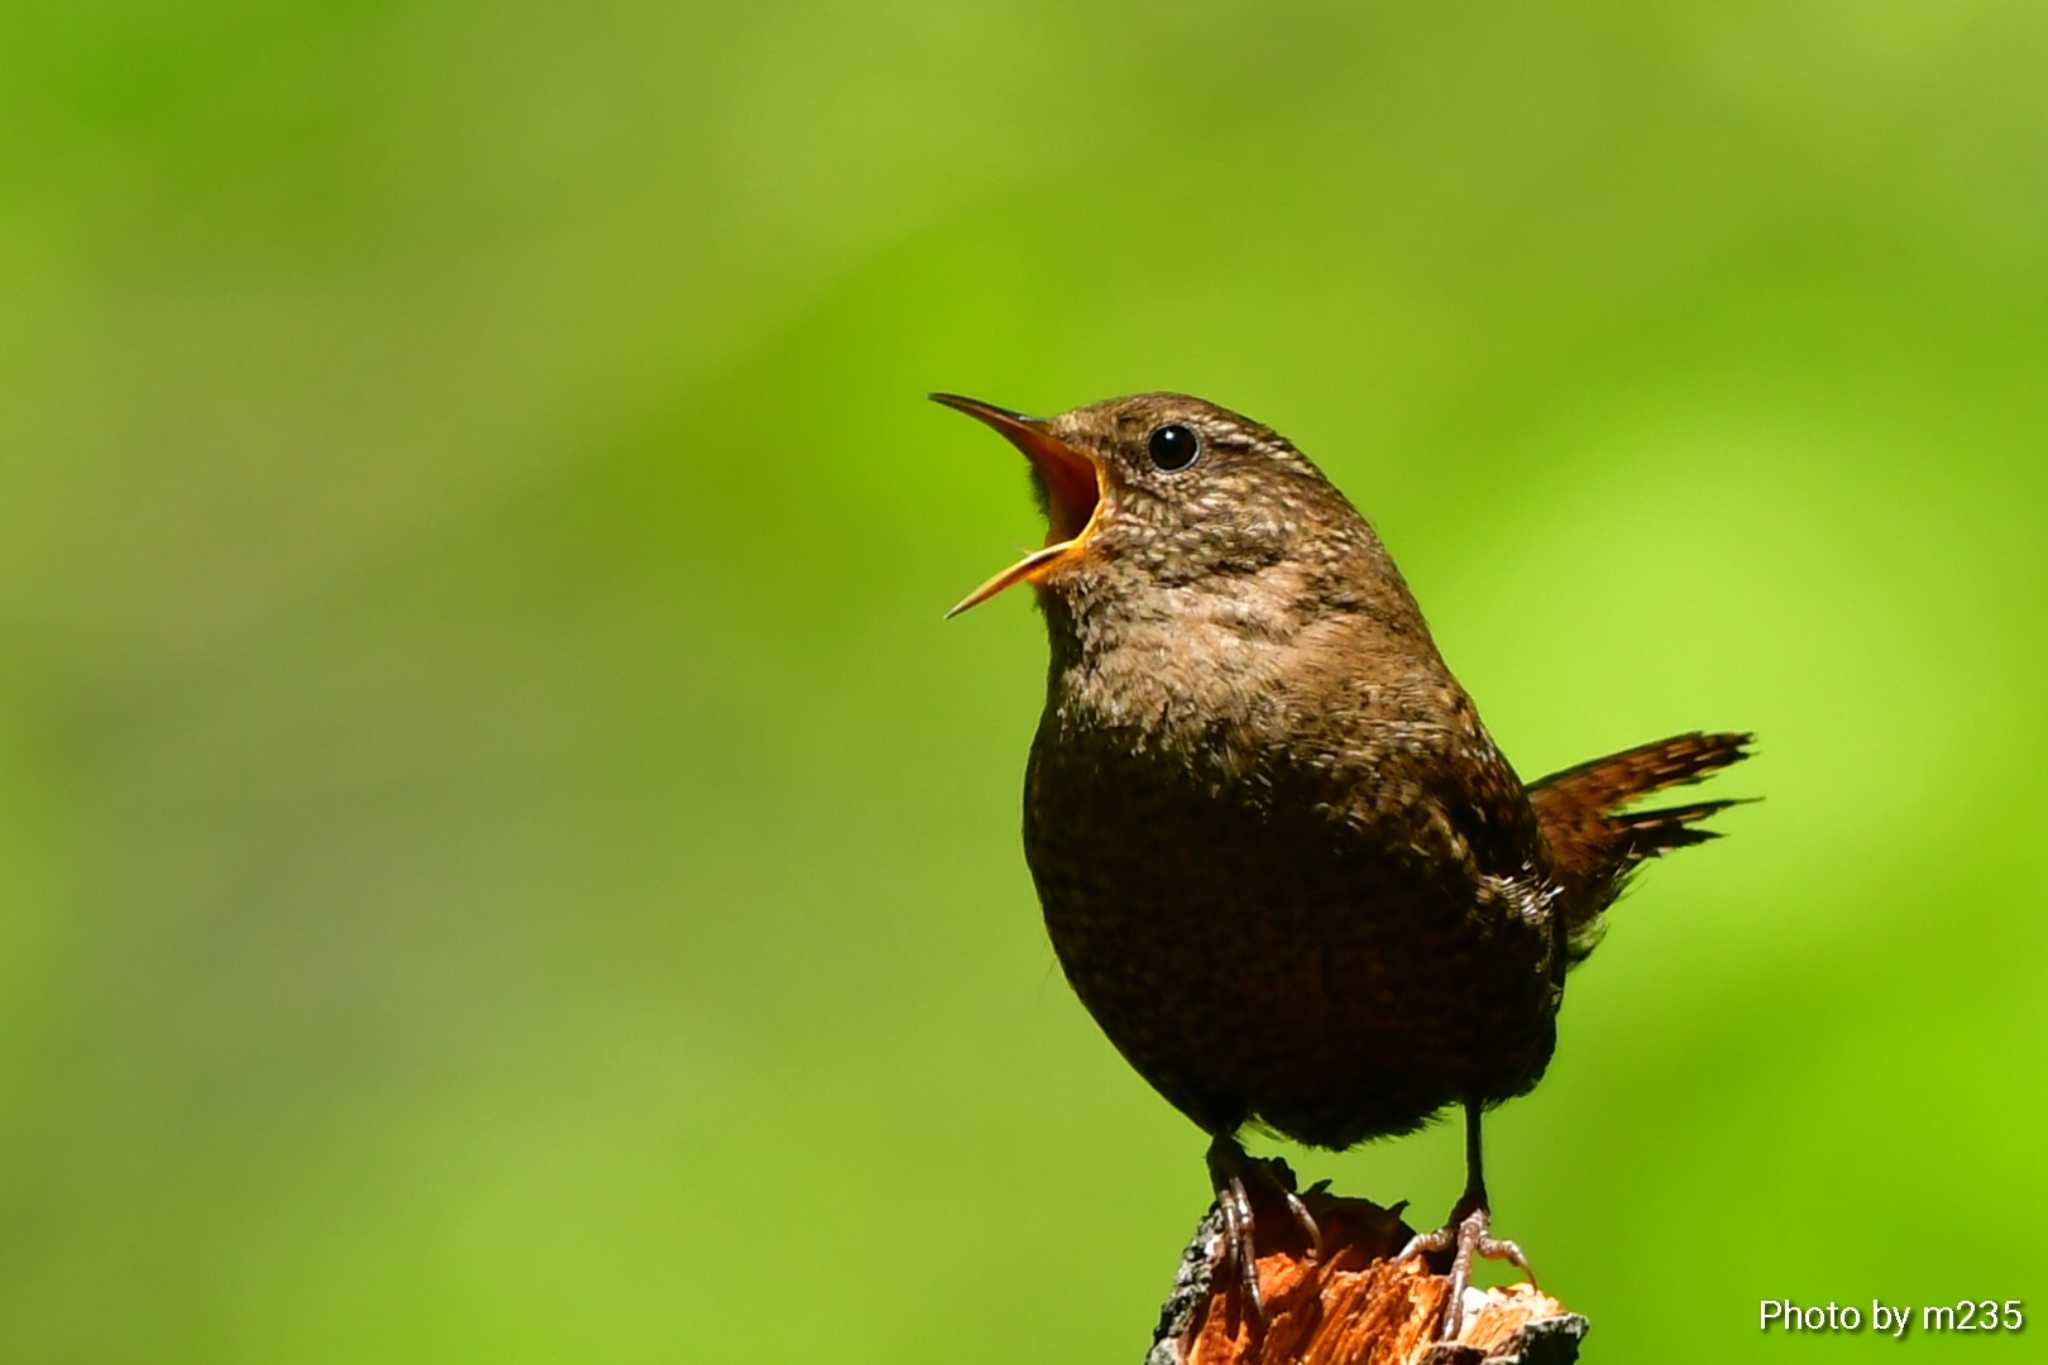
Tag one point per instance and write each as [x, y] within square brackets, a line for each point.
[1893, 1320]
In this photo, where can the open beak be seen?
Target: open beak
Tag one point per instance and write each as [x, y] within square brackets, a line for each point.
[1073, 493]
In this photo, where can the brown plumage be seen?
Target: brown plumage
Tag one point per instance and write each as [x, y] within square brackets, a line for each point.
[1282, 862]
[1594, 843]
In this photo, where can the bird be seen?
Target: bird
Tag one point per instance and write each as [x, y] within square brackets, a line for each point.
[1281, 861]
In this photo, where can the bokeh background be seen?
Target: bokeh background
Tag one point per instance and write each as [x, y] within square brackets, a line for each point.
[503, 861]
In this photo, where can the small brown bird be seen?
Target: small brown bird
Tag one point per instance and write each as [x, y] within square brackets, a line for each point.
[1282, 863]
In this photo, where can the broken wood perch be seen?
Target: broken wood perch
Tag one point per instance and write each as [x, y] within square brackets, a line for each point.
[1355, 1305]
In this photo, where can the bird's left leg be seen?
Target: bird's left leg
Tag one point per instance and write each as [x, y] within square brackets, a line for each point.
[1469, 1232]
[1230, 1167]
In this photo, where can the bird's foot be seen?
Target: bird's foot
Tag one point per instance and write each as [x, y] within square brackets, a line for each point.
[1232, 1173]
[1468, 1234]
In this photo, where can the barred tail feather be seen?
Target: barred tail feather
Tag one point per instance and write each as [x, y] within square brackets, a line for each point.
[1594, 843]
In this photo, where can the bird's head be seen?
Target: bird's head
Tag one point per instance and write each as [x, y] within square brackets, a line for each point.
[1161, 490]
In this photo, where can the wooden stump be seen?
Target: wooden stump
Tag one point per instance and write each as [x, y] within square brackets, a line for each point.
[1353, 1306]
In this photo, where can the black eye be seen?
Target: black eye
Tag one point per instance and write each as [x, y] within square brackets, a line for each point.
[1174, 446]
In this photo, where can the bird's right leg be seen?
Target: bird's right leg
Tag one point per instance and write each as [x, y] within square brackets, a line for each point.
[1469, 1232]
[1229, 1169]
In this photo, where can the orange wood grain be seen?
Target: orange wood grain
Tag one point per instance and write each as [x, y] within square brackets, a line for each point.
[1354, 1306]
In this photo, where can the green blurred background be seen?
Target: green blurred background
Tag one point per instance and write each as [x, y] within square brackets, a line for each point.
[503, 861]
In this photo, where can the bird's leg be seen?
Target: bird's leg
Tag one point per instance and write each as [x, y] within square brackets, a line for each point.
[1229, 1170]
[1468, 1234]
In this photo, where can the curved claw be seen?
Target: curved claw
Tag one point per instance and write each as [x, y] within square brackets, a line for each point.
[1306, 1221]
[1501, 1249]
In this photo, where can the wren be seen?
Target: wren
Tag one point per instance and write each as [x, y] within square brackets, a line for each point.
[1282, 863]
